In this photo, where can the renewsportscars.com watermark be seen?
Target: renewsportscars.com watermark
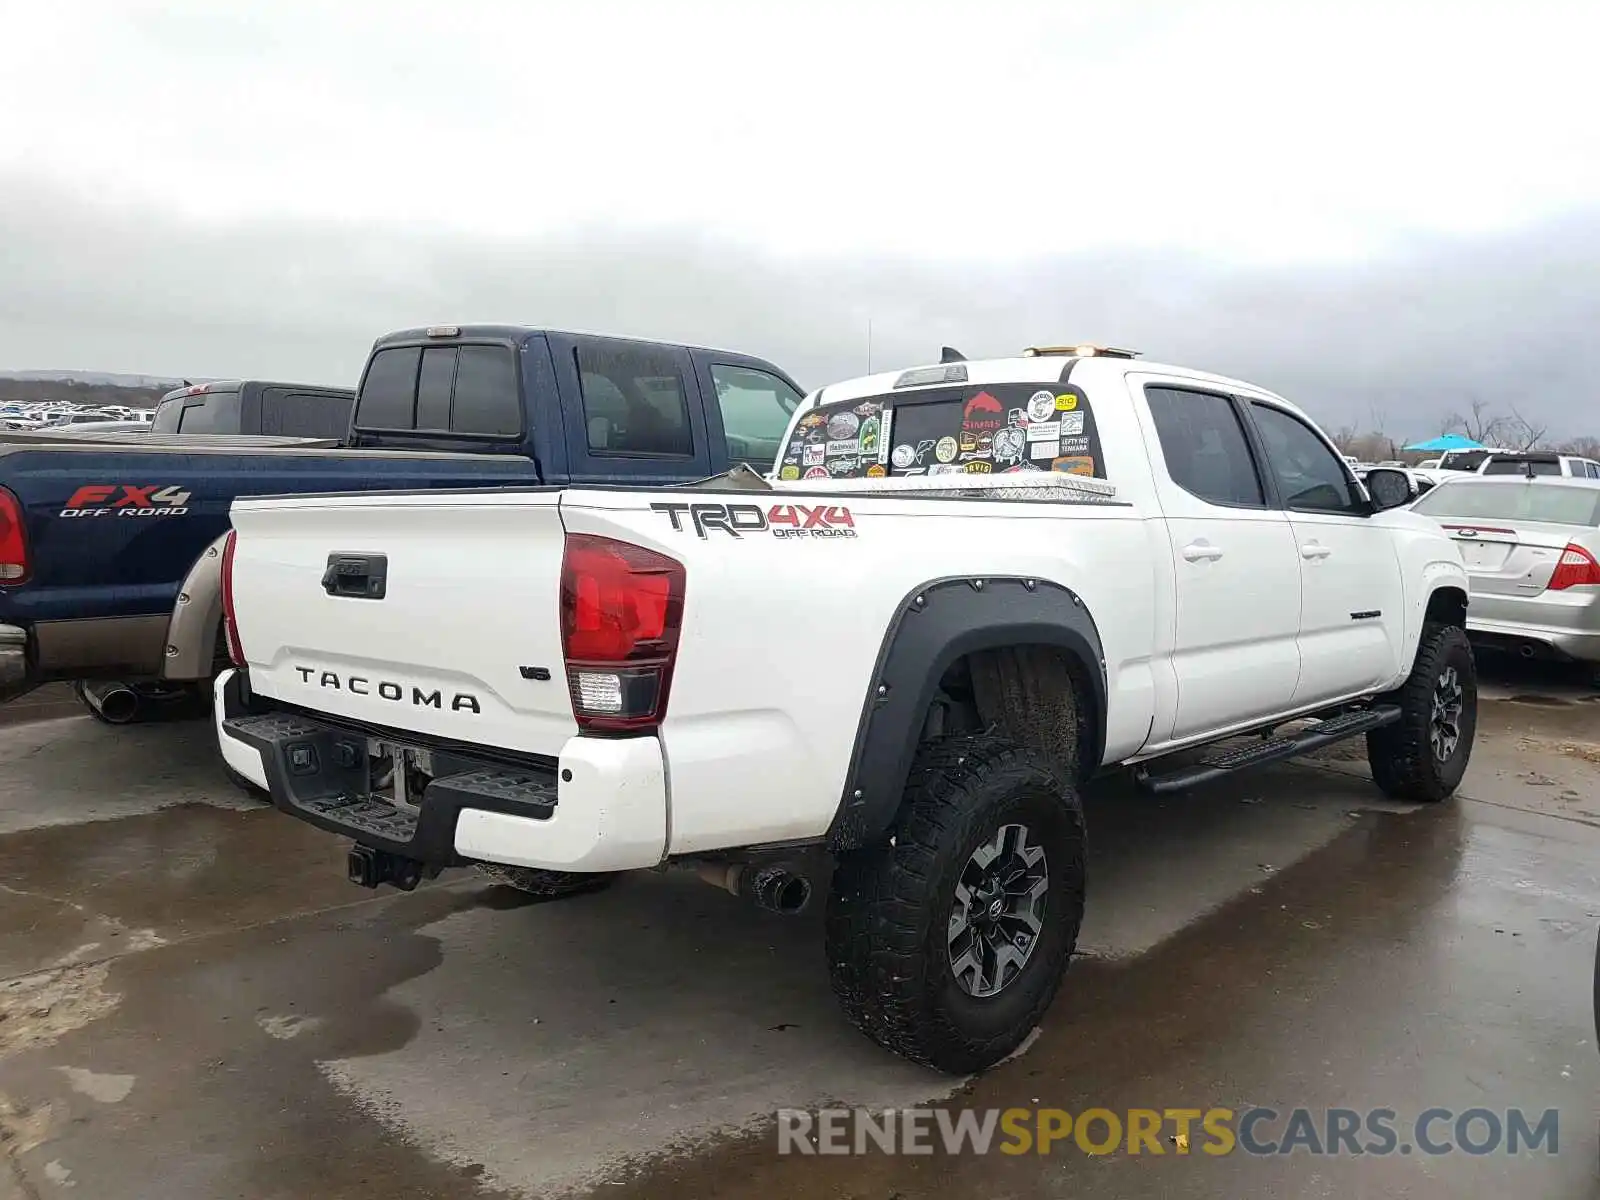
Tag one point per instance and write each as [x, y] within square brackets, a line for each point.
[1212, 1131]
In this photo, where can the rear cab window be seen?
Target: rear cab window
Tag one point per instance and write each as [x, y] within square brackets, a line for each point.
[289, 412]
[1464, 500]
[201, 412]
[465, 389]
[1523, 466]
[166, 418]
[973, 429]
[1463, 460]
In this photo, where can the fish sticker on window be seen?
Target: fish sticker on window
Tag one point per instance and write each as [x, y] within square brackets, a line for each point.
[842, 426]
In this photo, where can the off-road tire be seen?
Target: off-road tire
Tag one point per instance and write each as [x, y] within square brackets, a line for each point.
[1401, 755]
[890, 905]
[548, 884]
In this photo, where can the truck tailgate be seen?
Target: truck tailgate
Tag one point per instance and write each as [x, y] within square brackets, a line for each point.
[461, 640]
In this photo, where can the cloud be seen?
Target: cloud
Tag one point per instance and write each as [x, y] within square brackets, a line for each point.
[1506, 318]
[1248, 131]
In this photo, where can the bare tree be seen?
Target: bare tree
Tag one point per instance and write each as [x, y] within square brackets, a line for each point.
[1583, 447]
[1520, 433]
[1344, 437]
[1480, 423]
[1380, 431]
[1371, 447]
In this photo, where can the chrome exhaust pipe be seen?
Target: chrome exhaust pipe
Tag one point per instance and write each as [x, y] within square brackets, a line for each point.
[772, 886]
[114, 703]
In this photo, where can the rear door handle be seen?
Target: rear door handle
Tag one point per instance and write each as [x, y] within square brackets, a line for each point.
[1314, 550]
[1202, 552]
[357, 576]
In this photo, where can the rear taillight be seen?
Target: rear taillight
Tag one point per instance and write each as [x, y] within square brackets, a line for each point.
[621, 610]
[14, 564]
[1577, 568]
[230, 626]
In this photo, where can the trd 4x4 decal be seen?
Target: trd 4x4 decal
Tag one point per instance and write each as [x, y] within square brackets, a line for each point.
[126, 500]
[780, 520]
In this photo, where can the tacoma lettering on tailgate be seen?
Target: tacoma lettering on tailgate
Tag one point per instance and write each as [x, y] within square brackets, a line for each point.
[387, 689]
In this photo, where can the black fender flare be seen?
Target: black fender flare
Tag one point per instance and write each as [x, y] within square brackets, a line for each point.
[935, 625]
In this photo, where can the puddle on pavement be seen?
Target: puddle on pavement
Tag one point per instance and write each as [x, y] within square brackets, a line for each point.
[1543, 701]
[131, 882]
[1262, 961]
[217, 1042]
[222, 1037]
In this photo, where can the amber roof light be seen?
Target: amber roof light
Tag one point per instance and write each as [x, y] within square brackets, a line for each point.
[1081, 350]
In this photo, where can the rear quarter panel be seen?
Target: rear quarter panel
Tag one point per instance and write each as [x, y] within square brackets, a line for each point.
[781, 634]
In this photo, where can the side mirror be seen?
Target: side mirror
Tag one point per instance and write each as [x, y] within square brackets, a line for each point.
[1389, 488]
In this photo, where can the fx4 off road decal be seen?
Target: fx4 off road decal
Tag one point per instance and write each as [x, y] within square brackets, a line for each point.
[780, 520]
[126, 500]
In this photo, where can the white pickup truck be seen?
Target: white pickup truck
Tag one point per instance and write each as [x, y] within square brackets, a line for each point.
[963, 590]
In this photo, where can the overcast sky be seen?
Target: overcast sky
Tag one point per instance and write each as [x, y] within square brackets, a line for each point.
[1363, 205]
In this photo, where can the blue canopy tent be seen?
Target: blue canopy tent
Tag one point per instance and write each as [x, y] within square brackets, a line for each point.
[1446, 441]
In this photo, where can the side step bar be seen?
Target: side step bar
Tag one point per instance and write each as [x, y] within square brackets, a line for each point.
[1323, 733]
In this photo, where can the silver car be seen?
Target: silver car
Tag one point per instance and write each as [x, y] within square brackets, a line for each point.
[1532, 551]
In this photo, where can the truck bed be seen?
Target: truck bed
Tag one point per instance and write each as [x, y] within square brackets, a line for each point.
[787, 597]
[112, 529]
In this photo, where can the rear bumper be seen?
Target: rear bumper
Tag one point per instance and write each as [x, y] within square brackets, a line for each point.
[602, 806]
[13, 662]
[101, 647]
[84, 648]
[1554, 640]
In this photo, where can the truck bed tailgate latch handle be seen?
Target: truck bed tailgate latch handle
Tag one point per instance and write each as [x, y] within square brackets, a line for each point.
[356, 576]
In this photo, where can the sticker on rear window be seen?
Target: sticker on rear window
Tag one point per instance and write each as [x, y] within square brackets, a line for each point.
[1003, 428]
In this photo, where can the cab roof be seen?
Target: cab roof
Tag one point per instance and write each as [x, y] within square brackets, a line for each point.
[515, 334]
[1043, 367]
[234, 385]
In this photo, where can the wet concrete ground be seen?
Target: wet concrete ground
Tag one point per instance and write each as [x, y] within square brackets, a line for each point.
[195, 1004]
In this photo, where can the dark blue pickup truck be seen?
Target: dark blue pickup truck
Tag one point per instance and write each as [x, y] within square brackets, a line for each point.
[110, 562]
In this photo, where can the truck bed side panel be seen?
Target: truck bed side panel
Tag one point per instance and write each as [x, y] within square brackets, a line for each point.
[781, 634]
[142, 516]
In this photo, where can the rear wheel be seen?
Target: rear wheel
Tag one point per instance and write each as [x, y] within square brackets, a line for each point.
[1424, 755]
[948, 944]
[549, 884]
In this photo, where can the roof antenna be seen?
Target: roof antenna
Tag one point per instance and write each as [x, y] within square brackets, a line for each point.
[948, 354]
